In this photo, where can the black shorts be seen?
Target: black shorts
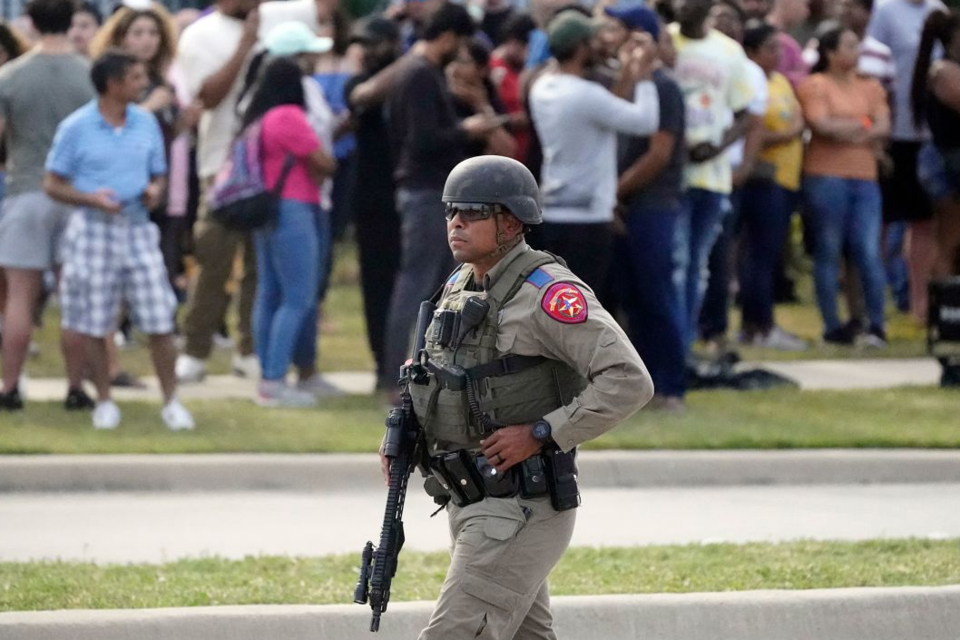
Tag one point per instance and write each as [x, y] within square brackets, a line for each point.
[903, 197]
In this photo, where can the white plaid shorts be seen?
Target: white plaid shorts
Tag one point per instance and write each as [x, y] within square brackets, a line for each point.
[109, 260]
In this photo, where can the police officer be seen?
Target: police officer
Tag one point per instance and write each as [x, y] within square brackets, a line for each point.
[522, 365]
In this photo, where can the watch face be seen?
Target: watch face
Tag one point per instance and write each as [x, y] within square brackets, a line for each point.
[541, 430]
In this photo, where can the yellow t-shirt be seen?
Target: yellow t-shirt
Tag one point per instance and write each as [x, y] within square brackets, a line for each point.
[713, 76]
[782, 108]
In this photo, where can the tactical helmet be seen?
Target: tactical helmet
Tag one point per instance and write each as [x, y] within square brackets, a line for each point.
[496, 180]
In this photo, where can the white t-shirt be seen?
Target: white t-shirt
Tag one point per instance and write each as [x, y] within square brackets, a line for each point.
[204, 48]
[577, 122]
[757, 107]
[322, 121]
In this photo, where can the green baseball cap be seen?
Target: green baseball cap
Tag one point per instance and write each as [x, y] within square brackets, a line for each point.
[568, 29]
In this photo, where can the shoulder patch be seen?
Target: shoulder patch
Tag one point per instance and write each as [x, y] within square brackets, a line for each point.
[565, 303]
[453, 277]
[539, 278]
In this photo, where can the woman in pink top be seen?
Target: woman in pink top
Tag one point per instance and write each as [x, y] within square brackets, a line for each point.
[290, 253]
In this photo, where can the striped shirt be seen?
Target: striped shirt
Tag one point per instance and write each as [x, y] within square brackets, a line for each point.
[876, 61]
[93, 154]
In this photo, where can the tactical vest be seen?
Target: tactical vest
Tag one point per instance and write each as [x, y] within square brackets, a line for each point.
[494, 389]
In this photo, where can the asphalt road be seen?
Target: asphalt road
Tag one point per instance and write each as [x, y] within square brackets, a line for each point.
[158, 527]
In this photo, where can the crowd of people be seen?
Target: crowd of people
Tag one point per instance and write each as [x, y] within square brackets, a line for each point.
[676, 144]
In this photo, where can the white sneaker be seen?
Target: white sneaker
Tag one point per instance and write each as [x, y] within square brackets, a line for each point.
[319, 387]
[276, 393]
[106, 415]
[190, 369]
[246, 366]
[221, 341]
[22, 383]
[780, 340]
[176, 416]
[872, 340]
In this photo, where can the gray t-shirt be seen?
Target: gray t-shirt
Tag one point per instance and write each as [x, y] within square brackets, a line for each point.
[577, 122]
[37, 91]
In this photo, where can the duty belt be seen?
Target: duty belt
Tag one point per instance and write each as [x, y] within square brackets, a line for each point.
[467, 477]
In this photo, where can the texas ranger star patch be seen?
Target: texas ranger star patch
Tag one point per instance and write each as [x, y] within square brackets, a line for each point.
[565, 303]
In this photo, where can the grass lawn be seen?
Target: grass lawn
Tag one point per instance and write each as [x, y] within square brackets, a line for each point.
[582, 571]
[773, 419]
[343, 345]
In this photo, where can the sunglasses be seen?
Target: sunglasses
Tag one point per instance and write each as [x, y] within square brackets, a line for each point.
[472, 211]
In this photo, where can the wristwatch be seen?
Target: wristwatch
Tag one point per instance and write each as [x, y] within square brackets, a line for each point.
[542, 430]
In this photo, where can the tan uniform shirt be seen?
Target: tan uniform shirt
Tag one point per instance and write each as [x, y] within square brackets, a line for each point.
[596, 347]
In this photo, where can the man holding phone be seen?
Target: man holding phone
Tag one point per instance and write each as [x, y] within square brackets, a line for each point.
[577, 121]
[108, 159]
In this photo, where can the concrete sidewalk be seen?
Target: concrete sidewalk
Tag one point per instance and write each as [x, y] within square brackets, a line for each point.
[361, 472]
[811, 375]
[910, 613]
[164, 527]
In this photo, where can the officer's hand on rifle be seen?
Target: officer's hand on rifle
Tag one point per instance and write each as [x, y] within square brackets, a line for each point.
[384, 465]
[509, 446]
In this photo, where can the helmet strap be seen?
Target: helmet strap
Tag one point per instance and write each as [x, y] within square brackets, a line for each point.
[504, 245]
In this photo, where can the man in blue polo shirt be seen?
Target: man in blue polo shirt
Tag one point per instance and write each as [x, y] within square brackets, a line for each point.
[108, 160]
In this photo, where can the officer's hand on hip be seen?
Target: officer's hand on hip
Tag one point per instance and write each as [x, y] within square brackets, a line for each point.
[509, 446]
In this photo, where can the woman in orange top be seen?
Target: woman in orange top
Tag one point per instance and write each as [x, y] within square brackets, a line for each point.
[849, 118]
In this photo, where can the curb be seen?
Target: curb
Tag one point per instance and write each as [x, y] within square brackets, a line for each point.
[810, 375]
[361, 472]
[931, 613]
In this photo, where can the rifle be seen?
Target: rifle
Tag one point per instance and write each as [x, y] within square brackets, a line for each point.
[402, 446]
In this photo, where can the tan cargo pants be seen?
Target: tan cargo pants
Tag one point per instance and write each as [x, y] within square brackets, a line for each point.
[496, 587]
[215, 250]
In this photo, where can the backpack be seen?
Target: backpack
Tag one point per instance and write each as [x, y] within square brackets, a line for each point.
[239, 198]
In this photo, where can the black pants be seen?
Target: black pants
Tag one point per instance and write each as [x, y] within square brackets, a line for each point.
[425, 262]
[587, 249]
[378, 238]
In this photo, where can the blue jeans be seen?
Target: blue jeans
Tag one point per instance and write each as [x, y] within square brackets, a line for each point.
[305, 350]
[895, 265]
[697, 229]
[715, 307]
[290, 259]
[845, 212]
[765, 219]
[645, 265]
